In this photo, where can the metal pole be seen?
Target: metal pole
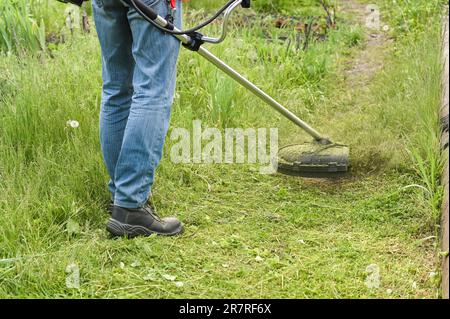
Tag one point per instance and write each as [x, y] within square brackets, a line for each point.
[260, 93]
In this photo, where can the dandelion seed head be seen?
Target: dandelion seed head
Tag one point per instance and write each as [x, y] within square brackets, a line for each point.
[73, 123]
[259, 258]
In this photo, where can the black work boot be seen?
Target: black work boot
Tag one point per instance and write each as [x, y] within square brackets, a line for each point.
[141, 222]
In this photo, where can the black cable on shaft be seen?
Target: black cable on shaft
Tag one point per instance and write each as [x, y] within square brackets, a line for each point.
[183, 32]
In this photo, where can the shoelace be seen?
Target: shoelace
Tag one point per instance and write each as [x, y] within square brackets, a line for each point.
[151, 212]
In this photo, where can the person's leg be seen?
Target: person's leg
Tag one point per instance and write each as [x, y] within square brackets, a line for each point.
[115, 37]
[155, 54]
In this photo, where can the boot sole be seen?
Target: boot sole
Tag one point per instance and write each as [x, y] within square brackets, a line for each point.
[119, 229]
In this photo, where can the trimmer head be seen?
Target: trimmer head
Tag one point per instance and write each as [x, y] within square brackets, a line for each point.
[314, 160]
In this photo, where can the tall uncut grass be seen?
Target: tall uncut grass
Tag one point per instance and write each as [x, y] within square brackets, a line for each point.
[19, 30]
[424, 146]
[25, 24]
[414, 90]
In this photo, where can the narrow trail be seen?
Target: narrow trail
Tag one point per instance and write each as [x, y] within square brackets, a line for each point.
[349, 111]
[369, 61]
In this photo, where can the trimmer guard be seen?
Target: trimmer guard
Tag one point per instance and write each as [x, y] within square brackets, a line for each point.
[314, 160]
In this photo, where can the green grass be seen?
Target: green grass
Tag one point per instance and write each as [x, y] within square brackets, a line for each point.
[299, 7]
[19, 31]
[313, 239]
[24, 25]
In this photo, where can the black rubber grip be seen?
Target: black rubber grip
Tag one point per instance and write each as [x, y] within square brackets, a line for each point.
[149, 12]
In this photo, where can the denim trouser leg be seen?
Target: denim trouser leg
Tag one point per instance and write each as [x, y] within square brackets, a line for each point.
[139, 75]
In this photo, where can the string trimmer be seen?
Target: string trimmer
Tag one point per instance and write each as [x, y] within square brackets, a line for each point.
[319, 158]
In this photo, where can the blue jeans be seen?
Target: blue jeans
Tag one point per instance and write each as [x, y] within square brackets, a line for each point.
[139, 75]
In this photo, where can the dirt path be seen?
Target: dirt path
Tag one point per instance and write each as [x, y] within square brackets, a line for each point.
[370, 60]
[359, 71]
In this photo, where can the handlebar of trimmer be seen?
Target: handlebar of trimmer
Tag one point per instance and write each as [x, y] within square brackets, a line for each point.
[150, 15]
